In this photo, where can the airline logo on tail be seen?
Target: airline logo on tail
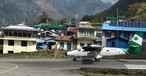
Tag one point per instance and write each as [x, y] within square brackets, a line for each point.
[136, 43]
[137, 39]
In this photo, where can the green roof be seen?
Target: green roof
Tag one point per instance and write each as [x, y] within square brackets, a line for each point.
[51, 26]
[111, 18]
[121, 17]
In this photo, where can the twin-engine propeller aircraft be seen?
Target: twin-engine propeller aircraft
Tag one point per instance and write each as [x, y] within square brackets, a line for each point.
[97, 52]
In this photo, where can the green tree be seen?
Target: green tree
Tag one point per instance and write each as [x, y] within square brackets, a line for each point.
[132, 10]
[142, 9]
[93, 18]
[73, 20]
[43, 18]
[62, 21]
[137, 12]
[98, 17]
[86, 18]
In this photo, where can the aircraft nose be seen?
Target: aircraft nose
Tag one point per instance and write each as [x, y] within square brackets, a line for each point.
[66, 54]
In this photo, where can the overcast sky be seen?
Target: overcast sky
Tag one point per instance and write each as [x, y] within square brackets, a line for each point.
[109, 1]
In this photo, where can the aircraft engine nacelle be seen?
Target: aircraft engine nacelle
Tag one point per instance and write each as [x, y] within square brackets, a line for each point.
[89, 48]
[92, 47]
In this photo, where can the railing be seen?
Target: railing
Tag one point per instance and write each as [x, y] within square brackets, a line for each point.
[85, 37]
[128, 24]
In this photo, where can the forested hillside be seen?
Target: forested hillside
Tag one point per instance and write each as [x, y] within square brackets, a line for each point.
[122, 6]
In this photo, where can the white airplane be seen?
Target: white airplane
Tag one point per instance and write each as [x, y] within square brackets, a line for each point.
[97, 52]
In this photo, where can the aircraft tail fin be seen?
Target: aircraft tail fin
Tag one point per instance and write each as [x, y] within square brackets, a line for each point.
[136, 43]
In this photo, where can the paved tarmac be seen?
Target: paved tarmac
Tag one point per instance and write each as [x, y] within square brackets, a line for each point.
[60, 67]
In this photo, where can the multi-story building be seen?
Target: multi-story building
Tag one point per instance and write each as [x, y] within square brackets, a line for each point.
[86, 34]
[80, 36]
[67, 27]
[17, 39]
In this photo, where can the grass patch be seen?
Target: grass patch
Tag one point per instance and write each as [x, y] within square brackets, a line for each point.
[41, 54]
[95, 74]
[111, 72]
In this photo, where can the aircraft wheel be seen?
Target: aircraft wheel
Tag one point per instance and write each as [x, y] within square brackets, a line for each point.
[97, 60]
[74, 59]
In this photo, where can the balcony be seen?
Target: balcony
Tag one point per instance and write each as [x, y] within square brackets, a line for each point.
[19, 38]
[85, 37]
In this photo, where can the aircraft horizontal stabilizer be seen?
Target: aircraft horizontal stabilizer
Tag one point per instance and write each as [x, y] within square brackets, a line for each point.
[98, 56]
[135, 46]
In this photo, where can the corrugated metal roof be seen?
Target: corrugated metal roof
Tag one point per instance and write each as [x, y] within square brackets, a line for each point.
[73, 29]
[121, 28]
[64, 38]
[20, 27]
[86, 27]
[51, 26]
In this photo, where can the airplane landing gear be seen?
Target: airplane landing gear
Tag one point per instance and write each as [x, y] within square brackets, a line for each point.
[97, 60]
[74, 59]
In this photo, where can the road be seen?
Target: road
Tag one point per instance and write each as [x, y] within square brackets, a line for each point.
[60, 67]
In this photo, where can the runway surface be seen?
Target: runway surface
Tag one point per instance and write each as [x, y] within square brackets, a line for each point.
[60, 67]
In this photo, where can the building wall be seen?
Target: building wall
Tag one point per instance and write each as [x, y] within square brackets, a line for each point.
[86, 33]
[17, 48]
[123, 34]
[65, 45]
[31, 46]
[86, 36]
[117, 42]
[84, 41]
[5, 47]
[103, 41]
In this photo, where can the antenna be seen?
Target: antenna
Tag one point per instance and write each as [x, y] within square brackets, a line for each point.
[76, 14]
[117, 25]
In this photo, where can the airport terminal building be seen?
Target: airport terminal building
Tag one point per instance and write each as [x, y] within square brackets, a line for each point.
[18, 38]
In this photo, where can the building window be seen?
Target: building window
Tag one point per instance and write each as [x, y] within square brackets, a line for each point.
[1, 42]
[82, 45]
[61, 45]
[23, 43]
[11, 42]
[10, 52]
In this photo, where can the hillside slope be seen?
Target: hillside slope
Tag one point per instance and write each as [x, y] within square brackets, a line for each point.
[17, 11]
[122, 6]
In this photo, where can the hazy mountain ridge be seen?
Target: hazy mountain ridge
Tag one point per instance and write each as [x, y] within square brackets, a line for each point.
[16, 11]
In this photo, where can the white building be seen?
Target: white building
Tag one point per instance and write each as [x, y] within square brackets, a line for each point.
[17, 39]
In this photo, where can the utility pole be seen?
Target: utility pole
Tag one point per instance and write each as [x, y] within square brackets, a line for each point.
[117, 25]
[76, 14]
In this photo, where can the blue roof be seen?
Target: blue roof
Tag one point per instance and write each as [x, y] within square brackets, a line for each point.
[51, 41]
[43, 46]
[106, 26]
[97, 40]
[37, 26]
[39, 41]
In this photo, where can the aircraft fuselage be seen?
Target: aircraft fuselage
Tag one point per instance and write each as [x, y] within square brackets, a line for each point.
[94, 53]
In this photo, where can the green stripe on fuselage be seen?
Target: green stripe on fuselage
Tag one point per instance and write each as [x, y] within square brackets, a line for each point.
[125, 50]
